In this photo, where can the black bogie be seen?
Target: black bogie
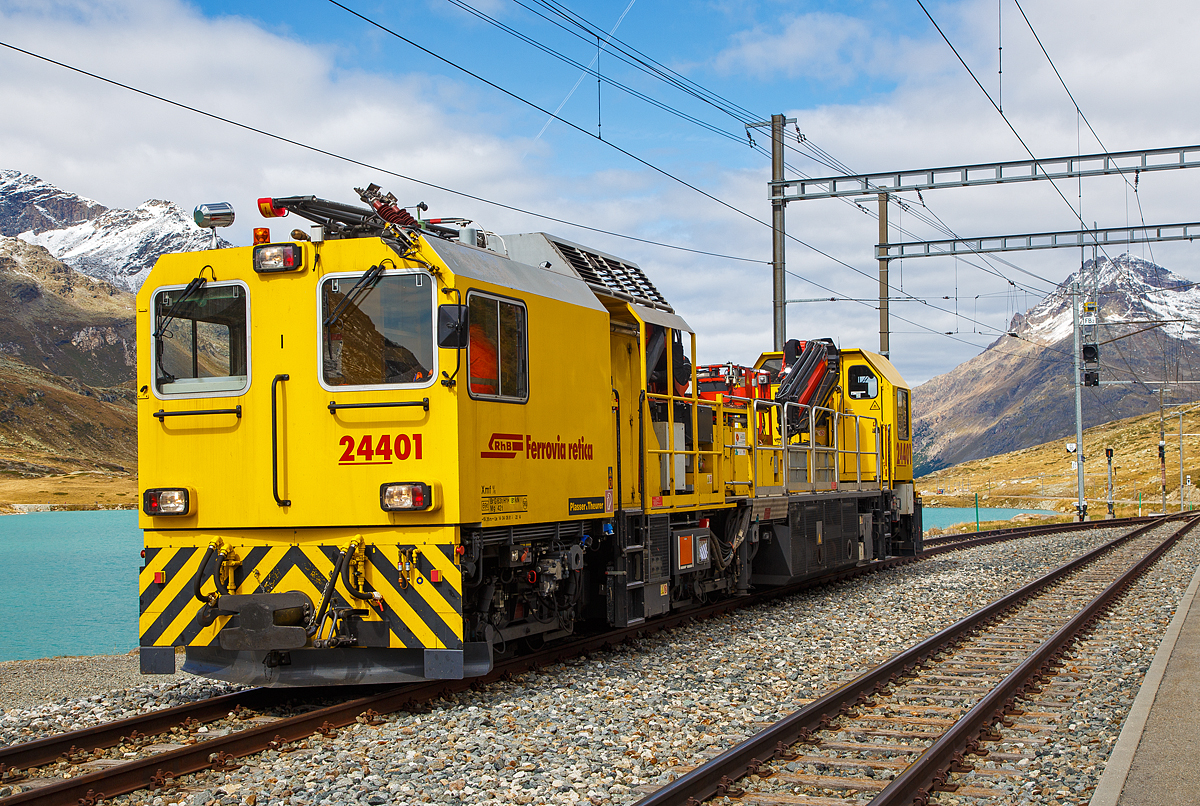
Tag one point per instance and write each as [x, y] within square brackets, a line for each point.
[527, 584]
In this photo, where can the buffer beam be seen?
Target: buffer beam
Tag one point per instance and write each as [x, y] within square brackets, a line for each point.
[987, 173]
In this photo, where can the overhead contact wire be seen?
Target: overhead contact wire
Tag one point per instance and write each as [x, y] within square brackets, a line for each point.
[361, 164]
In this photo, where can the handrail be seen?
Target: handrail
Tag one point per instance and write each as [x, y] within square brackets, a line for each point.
[693, 402]
[283, 502]
[162, 414]
[333, 407]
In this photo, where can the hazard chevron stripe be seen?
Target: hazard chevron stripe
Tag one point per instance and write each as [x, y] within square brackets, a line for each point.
[424, 615]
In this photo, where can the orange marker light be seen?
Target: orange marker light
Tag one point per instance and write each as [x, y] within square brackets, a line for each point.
[262, 235]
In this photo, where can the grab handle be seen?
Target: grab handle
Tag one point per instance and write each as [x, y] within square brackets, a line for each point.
[161, 414]
[334, 407]
[283, 502]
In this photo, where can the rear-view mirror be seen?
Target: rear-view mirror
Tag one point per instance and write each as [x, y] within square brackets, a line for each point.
[452, 326]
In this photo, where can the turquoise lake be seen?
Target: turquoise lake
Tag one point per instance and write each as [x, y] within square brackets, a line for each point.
[70, 584]
[941, 517]
[70, 579]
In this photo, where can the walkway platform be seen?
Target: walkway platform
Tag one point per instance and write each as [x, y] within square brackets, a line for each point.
[1156, 760]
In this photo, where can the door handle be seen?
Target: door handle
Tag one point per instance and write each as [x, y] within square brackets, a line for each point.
[283, 502]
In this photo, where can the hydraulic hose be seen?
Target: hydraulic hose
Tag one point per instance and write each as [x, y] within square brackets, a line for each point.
[319, 619]
[221, 589]
[198, 582]
[374, 596]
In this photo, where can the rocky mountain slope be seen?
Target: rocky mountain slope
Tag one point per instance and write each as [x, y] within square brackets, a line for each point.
[27, 204]
[113, 245]
[1019, 392]
[67, 356]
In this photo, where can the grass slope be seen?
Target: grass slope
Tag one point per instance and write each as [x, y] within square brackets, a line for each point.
[1042, 476]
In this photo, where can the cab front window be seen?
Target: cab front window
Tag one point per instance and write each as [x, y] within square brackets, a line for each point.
[200, 340]
[377, 330]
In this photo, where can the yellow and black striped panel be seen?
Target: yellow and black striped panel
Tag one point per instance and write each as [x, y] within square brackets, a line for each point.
[417, 612]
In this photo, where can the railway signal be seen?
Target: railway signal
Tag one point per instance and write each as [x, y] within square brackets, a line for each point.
[1108, 453]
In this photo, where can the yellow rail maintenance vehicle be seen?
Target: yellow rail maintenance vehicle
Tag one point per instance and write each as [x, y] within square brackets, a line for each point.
[389, 449]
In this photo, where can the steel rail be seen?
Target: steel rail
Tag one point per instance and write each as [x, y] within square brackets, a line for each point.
[155, 771]
[109, 734]
[141, 773]
[915, 784]
[717, 776]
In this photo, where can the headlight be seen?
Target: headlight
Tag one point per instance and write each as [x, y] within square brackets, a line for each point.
[278, 257]
[409, 495]
[167, 501]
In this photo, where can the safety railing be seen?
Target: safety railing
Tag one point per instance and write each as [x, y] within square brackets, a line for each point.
[817, 459]
[673, 481]
[807, 465]
[874, 481]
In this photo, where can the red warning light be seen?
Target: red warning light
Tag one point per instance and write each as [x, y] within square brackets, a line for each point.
[267, 208]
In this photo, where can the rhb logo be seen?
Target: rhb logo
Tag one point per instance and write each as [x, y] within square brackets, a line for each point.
[503, 446]
[508, 446]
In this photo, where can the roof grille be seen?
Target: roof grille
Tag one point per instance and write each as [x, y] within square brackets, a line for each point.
[611, 273]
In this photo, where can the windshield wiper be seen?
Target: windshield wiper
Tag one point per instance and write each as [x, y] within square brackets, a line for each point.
[166, 319]
[360, 290]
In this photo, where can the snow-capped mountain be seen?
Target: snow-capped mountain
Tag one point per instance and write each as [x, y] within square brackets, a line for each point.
[27, 204]
[1020, 391]
[114, 245]
[121, 246]
[1129, 289]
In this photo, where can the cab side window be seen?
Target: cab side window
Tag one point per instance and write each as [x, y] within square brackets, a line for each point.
[862, 382]
[496, 349]
[902, 429]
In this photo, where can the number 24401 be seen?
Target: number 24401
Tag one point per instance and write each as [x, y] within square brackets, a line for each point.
[379, 450]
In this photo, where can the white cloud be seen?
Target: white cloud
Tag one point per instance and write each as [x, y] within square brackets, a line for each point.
[1131, 69]
[833, 48]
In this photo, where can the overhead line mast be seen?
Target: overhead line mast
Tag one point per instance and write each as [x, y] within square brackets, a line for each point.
[778, 232]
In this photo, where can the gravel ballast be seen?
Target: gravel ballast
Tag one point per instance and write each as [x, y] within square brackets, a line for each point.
[605, 728]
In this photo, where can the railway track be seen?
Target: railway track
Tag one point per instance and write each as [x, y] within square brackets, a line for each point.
[151, 750]
[917, 723]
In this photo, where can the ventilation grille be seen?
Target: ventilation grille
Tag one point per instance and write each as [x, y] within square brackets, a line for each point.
[533, 532]
[659, 548]
[611, 273]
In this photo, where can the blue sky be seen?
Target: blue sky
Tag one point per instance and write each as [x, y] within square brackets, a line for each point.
[871, 83]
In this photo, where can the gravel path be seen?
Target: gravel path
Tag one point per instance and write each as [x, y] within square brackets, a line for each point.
[30, 683]
[602, 729]
[54, 695]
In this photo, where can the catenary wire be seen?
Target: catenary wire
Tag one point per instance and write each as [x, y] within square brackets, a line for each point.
[362, 164]
[1012, 128]
[621, 150]
[641, 61]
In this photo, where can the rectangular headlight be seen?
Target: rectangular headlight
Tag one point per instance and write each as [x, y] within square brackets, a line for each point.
[278, 257]
[405, 496]
[167, 501]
